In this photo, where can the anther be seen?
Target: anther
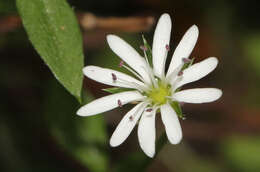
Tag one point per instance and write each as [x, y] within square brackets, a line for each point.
[131, 118]
[119, 103]
[186, 60]
[149, 110]
[167, 47]
[143, 47]
[121, 63]
[180, 73]
[114, 77]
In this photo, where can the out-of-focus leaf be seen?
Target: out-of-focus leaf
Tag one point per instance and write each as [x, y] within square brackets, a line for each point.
[10, 158]
[84, 138]
[252, 50]
[183, 158]
[138, 161]
[114, 90]
[7, 7]
[54, 32]
[242, 153]
[135, 161]
[251, 45]
[93, 129]
[95, 158]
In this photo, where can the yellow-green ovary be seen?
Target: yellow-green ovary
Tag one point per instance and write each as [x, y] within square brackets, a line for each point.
[159, 95]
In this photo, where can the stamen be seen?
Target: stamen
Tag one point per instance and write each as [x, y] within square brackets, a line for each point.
[149, 110]
[119, 103]
[114, 77]
[131, 118]
[167, 47]
[148, 68]
[133, 72]
[172, 77]
[132, 84]
[154, 108]
[151, 75]
[143, 47]
[180, 73]
[186, 60]
[121, 63]
[174, 83]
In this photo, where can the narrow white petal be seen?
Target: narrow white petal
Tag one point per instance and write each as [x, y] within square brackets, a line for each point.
[171, 123]
[146, 133]
[198, 95]
[129, 55]
[126, 125]
[197, 71]
[184, 48]
[108, 102]
[104, 76]
[161, 38]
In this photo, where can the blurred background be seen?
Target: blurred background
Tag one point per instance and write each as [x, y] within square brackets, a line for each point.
[39, 130]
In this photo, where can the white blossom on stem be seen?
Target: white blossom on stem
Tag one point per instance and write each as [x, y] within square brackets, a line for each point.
[152, 88]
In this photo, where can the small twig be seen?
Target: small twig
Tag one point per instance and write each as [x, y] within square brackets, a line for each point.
[89, 21]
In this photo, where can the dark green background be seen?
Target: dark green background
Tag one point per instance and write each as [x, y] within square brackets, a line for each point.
[39, 130]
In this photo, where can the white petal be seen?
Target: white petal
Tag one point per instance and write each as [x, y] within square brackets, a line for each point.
[198, 71]
[198, 95]
[146, 133]
[126, 125]
[161, 38]
[108, 102]
[129, 55]
[171, 123]
[104, 76]
[173, 76]
[184, 48]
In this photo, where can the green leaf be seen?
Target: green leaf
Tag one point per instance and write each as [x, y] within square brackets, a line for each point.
[242, 152]
[114, 90]
[85, 139]
[54, 32]
[252, 51]
[7, 7]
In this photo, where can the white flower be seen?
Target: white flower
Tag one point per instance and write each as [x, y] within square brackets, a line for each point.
[152, 89]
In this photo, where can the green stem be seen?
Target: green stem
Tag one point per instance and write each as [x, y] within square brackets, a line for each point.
[161, 142]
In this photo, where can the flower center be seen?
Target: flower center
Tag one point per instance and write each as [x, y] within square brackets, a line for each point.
[159, 95]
